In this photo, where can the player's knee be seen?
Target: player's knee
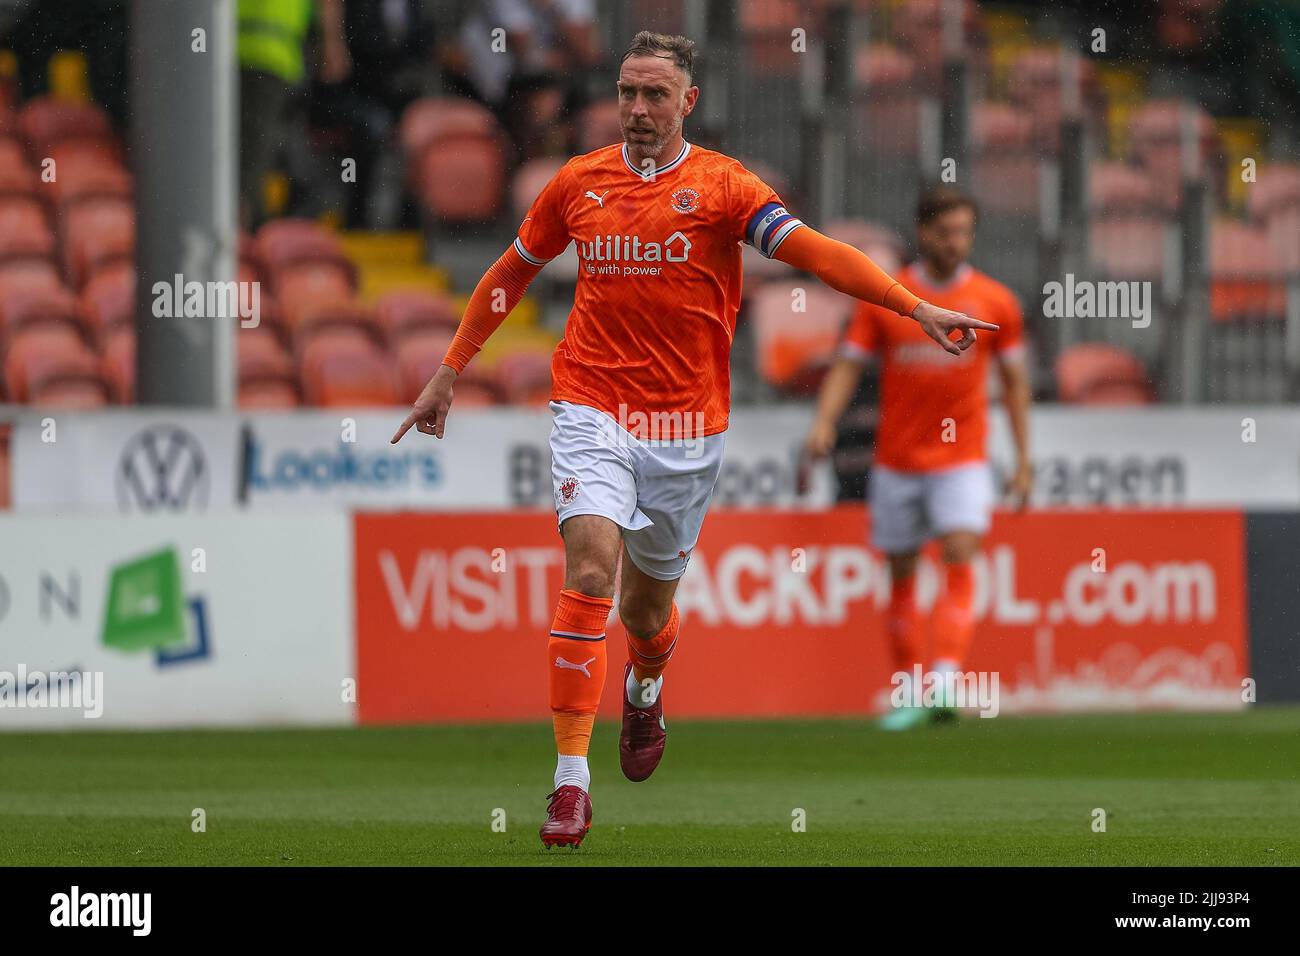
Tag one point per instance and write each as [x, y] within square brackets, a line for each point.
[591, 578]
[642, 619]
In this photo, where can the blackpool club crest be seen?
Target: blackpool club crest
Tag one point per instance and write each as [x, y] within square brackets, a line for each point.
[686, 200]
[568, 490]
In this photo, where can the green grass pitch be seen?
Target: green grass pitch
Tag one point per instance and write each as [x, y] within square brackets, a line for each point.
[1177, 790]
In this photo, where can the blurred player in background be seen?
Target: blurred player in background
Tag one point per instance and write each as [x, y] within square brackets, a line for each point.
[931, 479]
[659, 223]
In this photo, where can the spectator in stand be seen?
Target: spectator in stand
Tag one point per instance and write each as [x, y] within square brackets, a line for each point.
[533, 75]
[390, 43]
[272, 66]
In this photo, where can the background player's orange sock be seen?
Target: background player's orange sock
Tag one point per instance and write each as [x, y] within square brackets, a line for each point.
[954, 619]
[904, 624]
[576, 662]
[649, 658]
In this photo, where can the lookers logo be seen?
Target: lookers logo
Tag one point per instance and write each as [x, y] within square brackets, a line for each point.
[341, 467]
[632, 249]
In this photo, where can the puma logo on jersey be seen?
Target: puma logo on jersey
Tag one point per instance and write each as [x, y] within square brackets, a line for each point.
[562, 664]
[600, 200]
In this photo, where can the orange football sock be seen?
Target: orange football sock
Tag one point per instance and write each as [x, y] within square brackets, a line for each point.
[576, 661]
[650, 657]
[954, 618]
[904, 624]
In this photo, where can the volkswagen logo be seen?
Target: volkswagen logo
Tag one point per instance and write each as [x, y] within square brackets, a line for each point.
[162, 467]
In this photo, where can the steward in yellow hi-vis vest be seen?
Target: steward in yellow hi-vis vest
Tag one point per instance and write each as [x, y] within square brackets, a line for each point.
[271, 36]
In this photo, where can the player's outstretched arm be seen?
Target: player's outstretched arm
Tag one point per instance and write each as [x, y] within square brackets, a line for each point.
[852, 272]
[496, 294]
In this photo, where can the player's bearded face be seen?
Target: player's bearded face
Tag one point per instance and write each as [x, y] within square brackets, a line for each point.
[662, 128]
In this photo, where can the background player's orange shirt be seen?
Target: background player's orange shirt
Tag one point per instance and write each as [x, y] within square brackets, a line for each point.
[921, 385]
[659, 276]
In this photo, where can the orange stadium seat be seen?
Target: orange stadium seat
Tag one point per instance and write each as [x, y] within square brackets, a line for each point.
[44, 121]
[302, 285]
[108, 298]
[525, 376]
[266, 394]
[117, 364]
[1156, 134]
[796, 348]
[283, 243]
[1124, 188]
[25, 306]
[318, 316]
[418, 356]
[599, 125]
[1128, 246]
[1097, 373]
[1246, 277]
[881, 243]
[17, 177]
[95, 234]
[337, 374]
[462, 179]
[43, 354]
[404, 311]
[530, 180]
[1277, 186]
[88, 169]
[24, 231]
[428, 120]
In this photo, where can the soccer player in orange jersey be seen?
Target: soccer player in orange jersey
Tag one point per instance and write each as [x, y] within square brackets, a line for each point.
[930, 478]
[641, 385]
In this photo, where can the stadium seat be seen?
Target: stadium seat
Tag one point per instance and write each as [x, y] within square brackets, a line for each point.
[44, 121]
[795, 349]
[24, 231]
[525, 377]
[335, 374]
[108, 299]
[268, 394]
[303, 285]
[43, 356]
[283, 243]
[1277, 186]
[25, 306]
[1097, 373]
[318, 316]
[1124, 188]
[881, 243]
[17, 178]
[428, 120]
[599, 125]
[1128, 247]
[117, 364]
[403, 311]
[1246, 278]
[418, 356]
[1156, 137]
[95, 234]
[1000, 126]
[529, 182]
[461, 179]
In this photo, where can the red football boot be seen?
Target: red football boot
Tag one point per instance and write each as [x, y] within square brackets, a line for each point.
[568, 817]
[641, 742]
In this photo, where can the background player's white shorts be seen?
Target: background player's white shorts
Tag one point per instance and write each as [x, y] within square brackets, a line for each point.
[910, 507]
[658, 492]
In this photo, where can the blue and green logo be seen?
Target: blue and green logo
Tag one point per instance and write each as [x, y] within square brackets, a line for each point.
[147, 610]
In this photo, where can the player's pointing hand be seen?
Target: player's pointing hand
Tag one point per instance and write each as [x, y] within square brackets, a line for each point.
[939, 322]
[429, 413]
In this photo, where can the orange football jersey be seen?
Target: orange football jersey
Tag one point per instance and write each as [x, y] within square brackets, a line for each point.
[659, 277]
[933, 404]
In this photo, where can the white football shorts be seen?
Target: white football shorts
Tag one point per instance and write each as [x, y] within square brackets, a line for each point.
[657, 491]
[909, 508]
